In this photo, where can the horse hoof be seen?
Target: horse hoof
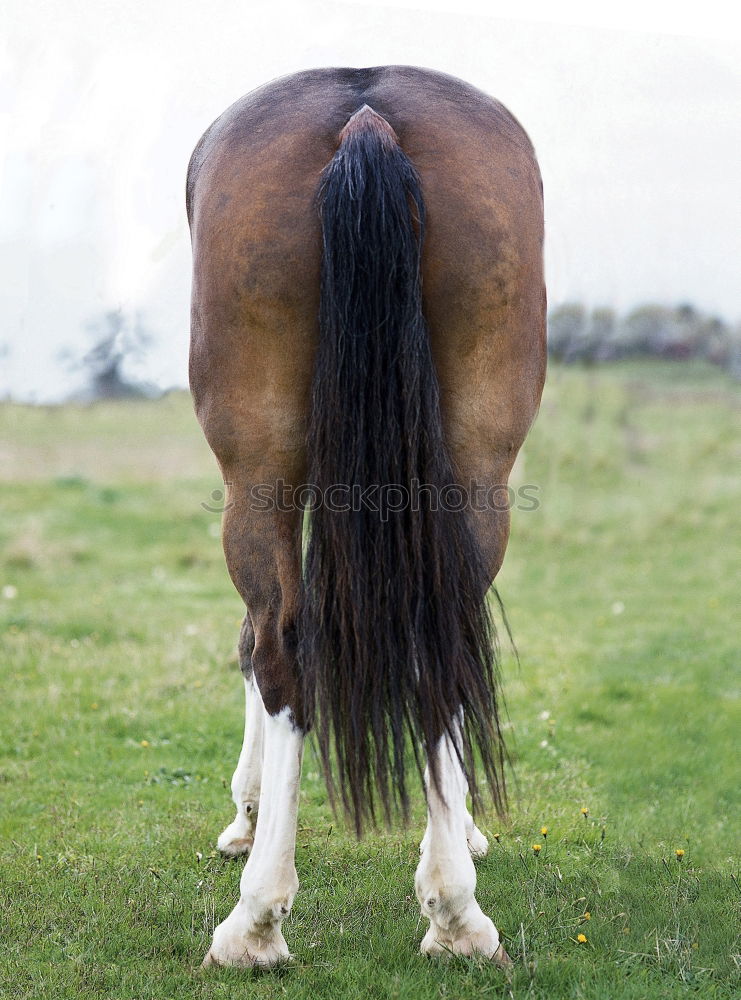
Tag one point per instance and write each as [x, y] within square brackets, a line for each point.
[476, 937]
[237, 839]
[502, 959]
[247, 958]
[234, 848]
[241, 942]
[478, 845]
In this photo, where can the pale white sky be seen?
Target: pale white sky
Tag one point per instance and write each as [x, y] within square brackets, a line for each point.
[635, 114]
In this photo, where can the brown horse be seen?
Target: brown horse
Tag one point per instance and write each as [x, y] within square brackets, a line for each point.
[368, 342]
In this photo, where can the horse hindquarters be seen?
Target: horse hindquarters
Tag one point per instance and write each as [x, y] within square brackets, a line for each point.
[416, 592]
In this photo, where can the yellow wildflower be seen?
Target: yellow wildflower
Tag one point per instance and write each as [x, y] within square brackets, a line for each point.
[544, 831]
[586, 915]
[496, 837]
[585, 811]
[581, 938]
[537, 848]
[144, 743]
[680, 853]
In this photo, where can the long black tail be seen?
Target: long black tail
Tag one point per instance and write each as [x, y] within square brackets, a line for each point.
[396, 637]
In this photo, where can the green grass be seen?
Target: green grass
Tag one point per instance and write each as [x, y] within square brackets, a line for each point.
[120, 717]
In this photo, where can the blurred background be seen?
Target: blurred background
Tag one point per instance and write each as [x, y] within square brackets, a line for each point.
[634, 114]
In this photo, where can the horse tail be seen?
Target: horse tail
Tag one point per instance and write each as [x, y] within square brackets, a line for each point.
[396, 639]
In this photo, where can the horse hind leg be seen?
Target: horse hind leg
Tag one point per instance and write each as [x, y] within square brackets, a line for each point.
[239, 836]
[252, 934]
[263, 555]
[445, 881]
[478, 845]
[492, 529]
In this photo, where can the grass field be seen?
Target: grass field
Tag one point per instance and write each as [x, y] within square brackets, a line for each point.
[120, 718]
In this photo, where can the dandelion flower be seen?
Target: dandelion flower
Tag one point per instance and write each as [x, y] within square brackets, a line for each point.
[586, 915]
[537, 848]
[144, 743]
[585, 811]
[496, 837]
[680, 853]
[544, 831]
[581, 938]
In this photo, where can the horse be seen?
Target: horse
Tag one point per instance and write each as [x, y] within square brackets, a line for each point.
[367, 356]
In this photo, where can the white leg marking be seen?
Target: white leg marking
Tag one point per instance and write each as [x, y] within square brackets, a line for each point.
[251, 934]
[478, 845]
[446, 879]
[239, 835]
